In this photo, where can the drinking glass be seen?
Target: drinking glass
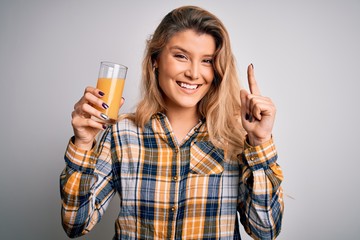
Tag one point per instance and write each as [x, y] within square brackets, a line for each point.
[111, 81]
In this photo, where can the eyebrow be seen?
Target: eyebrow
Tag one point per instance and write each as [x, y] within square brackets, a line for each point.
[184, 50]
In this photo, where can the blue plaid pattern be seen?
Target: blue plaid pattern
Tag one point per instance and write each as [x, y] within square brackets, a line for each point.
[168, 190]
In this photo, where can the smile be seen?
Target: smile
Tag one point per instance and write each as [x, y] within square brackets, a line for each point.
[188, 86]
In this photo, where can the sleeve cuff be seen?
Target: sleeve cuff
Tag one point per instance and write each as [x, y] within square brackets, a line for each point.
[79, 159]
[261, 156]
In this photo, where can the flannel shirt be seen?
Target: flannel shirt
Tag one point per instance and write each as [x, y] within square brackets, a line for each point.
[171, 190]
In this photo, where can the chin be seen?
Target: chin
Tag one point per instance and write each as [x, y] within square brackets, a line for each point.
[189, 104]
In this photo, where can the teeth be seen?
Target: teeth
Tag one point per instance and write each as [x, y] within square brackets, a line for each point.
[188, 86]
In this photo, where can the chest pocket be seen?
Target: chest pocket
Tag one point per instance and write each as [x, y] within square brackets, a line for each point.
[205, 158]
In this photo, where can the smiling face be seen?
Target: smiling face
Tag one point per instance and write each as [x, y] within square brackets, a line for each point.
[185, 70]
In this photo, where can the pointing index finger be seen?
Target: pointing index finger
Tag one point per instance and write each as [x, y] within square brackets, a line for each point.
[254, 89]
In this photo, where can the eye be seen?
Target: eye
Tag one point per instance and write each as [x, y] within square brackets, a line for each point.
[180, 56]
[208, 61]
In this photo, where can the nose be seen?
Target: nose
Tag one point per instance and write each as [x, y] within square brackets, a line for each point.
[193, 71]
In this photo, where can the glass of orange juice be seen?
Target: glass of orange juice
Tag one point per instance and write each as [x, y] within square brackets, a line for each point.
[111, 81]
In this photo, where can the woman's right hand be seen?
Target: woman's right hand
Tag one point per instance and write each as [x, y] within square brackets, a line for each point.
[84, 126]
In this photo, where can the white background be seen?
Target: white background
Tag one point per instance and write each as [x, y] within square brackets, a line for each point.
[307, 59]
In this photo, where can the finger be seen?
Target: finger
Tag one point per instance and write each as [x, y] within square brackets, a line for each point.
[95, 100]
[90, 98]
[95, 124]
[254, 89]
[244, 103]
[252, 105]
[122, 101]
[94, 91]
[247, 102]
[255, 99]
[79, 122]
[85, 110]
[261, 107]
[78, 110]
[77, 113]
[90, 110]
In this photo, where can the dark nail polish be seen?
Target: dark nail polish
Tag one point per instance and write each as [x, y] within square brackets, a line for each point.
[101, 93]
[105, 106]
[252, 66]
[250, 118]
[123, 98]
[246, 116]
[104, 126]
[104, 116]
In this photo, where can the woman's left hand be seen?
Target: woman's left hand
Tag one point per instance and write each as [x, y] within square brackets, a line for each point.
[257, 112]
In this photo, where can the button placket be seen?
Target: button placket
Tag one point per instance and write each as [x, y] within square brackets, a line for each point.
[175, 184]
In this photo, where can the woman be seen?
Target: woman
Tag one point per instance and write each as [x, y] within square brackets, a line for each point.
[196, 151]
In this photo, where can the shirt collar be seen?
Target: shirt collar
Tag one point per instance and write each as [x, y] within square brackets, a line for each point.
[161, 126]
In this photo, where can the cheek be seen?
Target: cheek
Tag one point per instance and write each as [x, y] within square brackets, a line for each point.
[166, 73]
[162, 75]
[209, 76]
[162, 82]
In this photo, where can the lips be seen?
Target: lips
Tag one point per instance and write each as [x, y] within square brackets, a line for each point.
[188, 86]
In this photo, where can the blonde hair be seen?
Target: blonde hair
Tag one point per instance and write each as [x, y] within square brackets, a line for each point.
[221, 105]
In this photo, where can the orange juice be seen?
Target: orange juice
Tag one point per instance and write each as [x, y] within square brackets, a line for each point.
[113, 89]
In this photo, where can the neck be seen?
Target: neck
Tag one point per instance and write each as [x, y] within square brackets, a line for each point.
[182, 121]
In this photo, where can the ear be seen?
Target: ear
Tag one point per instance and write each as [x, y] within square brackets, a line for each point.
[155, 64]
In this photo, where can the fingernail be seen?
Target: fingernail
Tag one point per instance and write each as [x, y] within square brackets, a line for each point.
[123, 98]
[101, 93]
[246, 116]
[104, 126]
[104, 116]
[105, 106]
[252, 66]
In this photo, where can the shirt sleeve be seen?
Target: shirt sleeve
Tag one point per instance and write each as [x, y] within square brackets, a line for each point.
[260, 198]
[86, 187]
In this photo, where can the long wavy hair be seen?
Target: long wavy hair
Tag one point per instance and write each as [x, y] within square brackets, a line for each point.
[221, 105]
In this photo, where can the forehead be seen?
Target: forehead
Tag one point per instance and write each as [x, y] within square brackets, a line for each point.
[192, 42]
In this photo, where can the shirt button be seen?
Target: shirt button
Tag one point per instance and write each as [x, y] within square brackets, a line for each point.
[252, 158]
[173, 209]
[175, 178]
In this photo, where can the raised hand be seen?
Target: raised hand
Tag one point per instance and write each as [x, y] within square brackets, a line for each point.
[84, 126]
[257, 112]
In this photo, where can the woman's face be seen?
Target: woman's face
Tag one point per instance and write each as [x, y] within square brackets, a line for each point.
[185, 70]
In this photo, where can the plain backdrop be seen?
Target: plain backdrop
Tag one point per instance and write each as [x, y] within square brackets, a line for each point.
[307, 59]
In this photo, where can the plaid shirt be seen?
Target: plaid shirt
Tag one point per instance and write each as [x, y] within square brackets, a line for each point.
[168, 190]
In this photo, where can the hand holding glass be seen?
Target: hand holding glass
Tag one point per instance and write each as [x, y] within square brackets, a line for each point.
[111, 82]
